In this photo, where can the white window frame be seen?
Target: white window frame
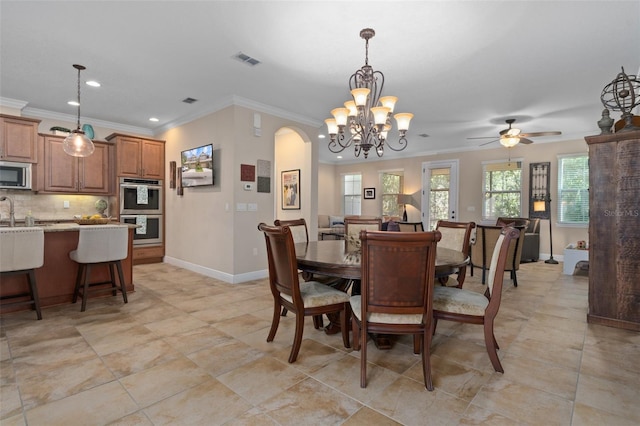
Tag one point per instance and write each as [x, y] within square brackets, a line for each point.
[355, 196]
[560, 221]
[486, 194]
[399, 209]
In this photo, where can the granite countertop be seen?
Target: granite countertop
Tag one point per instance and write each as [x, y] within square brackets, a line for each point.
[67, 226]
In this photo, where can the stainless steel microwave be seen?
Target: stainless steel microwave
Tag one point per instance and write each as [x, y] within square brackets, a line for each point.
[15, 175]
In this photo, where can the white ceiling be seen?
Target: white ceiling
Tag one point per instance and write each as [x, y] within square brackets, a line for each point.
[461, 67]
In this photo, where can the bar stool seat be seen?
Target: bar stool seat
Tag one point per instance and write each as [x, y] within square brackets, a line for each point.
[21, 252]
[97, 245]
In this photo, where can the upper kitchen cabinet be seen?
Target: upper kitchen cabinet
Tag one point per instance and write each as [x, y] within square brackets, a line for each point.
[18, 139]
[139, 157]
[60, 172]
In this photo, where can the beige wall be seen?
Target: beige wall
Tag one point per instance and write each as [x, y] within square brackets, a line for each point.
[470, 187]
[328, 187]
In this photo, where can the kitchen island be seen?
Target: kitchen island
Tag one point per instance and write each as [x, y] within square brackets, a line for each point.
[57, 277]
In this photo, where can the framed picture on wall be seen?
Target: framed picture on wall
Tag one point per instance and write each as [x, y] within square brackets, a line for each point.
[369, 193]
[290, 193]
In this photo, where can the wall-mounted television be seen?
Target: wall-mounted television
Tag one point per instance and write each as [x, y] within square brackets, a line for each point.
[197, 166]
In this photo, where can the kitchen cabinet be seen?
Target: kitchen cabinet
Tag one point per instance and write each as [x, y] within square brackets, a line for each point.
[18, 139]
[139, 157]
[60, 172]
[614, 230]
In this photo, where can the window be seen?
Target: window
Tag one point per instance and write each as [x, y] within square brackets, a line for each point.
[501, 190]
[439, 185]
[573, 189]
[351, 193]
[392, 183]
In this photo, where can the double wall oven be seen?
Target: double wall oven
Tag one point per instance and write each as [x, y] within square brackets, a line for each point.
[141, 204]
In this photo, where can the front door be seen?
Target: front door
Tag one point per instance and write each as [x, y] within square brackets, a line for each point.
[439, 192]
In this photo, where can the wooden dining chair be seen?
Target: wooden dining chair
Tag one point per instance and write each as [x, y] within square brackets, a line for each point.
[398, 272]
[466, 306]
[352, 227]
[411, 226]
[300, 234]
[455, 236]
[486, 238]
[302, 298]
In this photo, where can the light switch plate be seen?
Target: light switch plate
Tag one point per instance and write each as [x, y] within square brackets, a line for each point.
[248, 186]
[241, 207]
[252, 207]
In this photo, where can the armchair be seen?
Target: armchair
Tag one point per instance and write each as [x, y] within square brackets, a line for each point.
[531, 242]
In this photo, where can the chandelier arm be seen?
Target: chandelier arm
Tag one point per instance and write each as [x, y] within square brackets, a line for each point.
[402, 141]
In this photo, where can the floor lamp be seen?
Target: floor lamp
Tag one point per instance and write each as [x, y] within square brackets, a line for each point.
[540, 205]
[404, 199]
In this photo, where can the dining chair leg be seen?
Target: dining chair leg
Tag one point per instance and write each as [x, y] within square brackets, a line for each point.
[416, 344]
[275, 321]
[355, 330]
[297, 340]
[363, 358]
[490, 343]
[284, 312]
[425, 347]
[344, 325]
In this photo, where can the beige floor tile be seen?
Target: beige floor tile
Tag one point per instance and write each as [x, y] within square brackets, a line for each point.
[466, 353]
[175, 325]
[4, 349]
[197, 339]
[609, 396]
[66, 380]
[139, 358]
[209, 403]
[312, 355]
[243, 324]
[224, 357]
[543, 351]
[479, 416]
[344, 375]
[162, 381]
[546, 377]
[584, 415]
[261, 379]
[523, 403]
[367, 416]
[11, 402]
[408, 402]
[99, 405]
[17, 420]
[253, 417]
[309, 402]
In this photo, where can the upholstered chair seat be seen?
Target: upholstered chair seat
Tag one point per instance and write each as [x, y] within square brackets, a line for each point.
[315, 294]
[459, 302]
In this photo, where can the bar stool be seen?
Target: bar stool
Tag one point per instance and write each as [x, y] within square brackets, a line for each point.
[21, 252]
[97, 245]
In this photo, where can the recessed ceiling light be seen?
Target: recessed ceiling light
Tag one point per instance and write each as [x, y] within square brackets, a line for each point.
[321, 136]
[339, 157]
[93, 83]
[73, 103]
[153, 119]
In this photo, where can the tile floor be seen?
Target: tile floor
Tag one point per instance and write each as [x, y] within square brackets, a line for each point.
[191, 350]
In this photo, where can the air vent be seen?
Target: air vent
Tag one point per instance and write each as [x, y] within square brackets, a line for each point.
[423, 135]
[247, 59]
[189, 100]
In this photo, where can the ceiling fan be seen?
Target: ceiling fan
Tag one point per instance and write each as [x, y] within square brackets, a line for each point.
[512, 136]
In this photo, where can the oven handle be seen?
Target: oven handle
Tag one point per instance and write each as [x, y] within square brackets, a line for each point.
[133, 186]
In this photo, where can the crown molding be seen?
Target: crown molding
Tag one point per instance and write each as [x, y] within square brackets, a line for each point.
[13, 103]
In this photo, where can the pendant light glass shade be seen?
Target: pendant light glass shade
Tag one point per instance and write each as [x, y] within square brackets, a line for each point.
[77, 144]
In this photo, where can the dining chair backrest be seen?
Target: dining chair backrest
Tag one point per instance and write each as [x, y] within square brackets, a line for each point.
[354, 225]
[486, 239]
[499, 258]
[411, 226]
[281, 256]
[298, 229]
[455, 235]
[398, 271]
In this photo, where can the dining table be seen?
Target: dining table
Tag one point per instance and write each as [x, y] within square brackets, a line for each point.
[340, 259]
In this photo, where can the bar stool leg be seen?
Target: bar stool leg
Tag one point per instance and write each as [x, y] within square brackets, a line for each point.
[76, 290]
[85, 291]
[114, 292]
[31, 276]
[123, 286]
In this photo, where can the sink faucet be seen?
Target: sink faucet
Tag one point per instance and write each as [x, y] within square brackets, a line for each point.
[12, 213]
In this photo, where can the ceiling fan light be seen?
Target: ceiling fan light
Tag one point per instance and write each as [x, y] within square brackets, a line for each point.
[509, 142]
[77, 144]
[513, 132]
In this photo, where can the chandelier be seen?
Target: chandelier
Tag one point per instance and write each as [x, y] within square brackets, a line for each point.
[365, 121]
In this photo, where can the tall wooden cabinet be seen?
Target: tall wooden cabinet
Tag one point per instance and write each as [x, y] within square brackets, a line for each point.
[614, 230]
[60, 172]
[139, 157]
[18, 139]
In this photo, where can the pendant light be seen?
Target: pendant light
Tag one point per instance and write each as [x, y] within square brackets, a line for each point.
[77, 143]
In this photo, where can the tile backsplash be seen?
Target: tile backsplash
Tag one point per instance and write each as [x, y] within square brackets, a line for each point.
[51, 206]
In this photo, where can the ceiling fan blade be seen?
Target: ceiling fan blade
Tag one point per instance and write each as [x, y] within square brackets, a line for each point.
[483, 137]
[534, 134]
[525, 141]
[487, 143]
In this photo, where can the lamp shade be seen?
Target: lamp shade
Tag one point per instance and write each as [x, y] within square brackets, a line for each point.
[403, 119]
[404, 199]
[389, 102]
[77, 144]
[341, 115]
[351, 106]
[539, 206]
[332, 127]
[509, 142]
[360, 96]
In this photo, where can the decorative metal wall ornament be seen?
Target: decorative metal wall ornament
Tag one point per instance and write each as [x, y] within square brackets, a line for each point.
[622, 94]
[539, 199]
[365, 121]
